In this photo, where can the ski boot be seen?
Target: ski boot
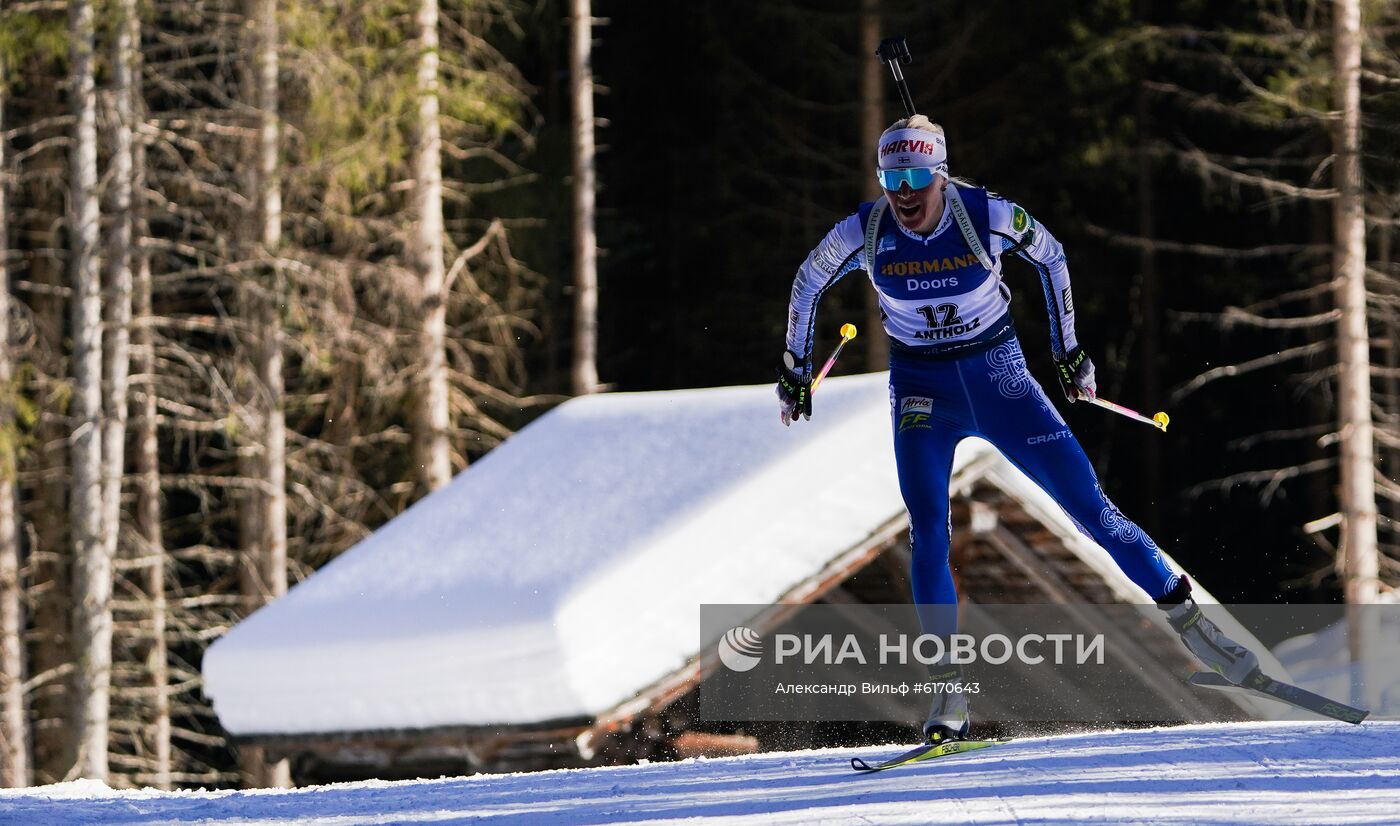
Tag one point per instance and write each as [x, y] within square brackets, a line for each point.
[947, 716]
[1203, 638]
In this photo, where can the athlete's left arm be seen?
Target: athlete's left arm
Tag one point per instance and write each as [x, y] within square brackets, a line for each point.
[1014, 230]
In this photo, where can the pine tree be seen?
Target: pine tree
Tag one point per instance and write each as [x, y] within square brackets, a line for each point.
[151, 553]
[92, 581]
[266, 572]
[585, 238]
[1357, 505]
[431, 416]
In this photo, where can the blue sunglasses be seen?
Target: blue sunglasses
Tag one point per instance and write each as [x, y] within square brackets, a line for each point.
[917, 178]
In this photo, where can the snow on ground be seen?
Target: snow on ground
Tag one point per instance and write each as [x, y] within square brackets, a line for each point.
[1250, 773]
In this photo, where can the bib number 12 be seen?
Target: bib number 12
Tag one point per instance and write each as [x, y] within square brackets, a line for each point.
[944, 315]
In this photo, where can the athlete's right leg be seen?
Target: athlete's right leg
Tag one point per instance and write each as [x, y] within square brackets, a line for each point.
[930, 418]
[924, 454]
[924, 442]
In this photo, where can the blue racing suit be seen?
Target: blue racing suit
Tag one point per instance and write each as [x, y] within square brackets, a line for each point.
[957, 370]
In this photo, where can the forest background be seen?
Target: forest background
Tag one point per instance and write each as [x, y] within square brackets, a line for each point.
[275, 269]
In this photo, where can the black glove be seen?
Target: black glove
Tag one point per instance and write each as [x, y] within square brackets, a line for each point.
[794, 388]
[1076, 373]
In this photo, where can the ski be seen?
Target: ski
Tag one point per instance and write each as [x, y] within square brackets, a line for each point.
[927, 751]
[1261, 685]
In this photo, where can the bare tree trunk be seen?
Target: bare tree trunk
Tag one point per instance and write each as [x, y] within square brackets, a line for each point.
[148, 503]
[1361, 559]
[274, 568]
[14, 732]
[877, 344]
[1358, 494]
[585, 361]
[271, 520]
[248, 501]
[151, 578]
[431, 412]
[116, 366]
[116, 309]
[92, 573]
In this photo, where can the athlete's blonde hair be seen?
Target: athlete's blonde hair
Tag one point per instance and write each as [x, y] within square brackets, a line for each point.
[917, 122]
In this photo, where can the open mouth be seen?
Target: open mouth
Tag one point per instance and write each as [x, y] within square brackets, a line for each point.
[908, 211]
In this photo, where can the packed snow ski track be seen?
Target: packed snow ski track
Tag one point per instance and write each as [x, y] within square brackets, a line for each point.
[1250, 773]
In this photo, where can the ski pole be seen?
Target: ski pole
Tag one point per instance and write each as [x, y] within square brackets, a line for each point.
[1159, 420]
[892, 52]
[848, 332]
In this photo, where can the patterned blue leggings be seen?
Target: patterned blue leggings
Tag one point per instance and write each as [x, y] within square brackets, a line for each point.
[936, 404]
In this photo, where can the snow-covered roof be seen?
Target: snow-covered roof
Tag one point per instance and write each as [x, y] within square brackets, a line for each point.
[564, 570]
[563, 573]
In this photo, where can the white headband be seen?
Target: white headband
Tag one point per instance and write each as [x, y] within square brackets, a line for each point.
[907, 148]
